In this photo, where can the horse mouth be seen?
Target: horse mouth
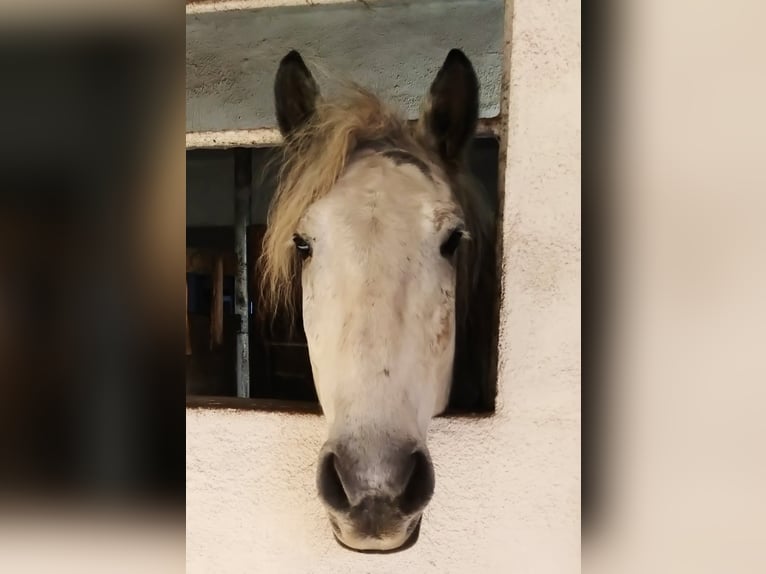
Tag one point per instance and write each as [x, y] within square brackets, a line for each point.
[413, 534]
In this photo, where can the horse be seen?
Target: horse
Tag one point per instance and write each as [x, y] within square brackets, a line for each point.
[381, 228]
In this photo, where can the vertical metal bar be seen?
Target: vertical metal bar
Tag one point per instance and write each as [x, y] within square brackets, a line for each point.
[216, 304]
[188, 335]
[243, 171]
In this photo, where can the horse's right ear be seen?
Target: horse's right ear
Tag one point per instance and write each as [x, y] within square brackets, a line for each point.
[295, 93]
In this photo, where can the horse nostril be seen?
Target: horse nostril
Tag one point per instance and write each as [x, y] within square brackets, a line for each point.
[399, 475]
[420, 486]
[329, 484]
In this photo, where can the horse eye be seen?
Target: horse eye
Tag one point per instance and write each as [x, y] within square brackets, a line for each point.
[304, 249]
[449, 247]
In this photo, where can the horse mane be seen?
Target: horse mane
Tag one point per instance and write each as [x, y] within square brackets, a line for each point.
[311, 161]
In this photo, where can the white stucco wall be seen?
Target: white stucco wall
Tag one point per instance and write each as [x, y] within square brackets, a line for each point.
[507, 487]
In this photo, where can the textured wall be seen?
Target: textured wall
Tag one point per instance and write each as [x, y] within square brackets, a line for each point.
[396, 48]
[508, 487]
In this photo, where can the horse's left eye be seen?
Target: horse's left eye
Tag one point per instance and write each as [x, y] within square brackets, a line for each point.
[449, 247]
[303, 247]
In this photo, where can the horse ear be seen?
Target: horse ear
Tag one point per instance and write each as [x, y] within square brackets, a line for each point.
[452, 108]
[295, 93]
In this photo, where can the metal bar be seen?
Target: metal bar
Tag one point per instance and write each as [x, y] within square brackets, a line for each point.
[216, 306]
[243, 175]
[188, 335]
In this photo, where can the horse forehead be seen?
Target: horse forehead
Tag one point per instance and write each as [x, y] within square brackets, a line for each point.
[378, 194]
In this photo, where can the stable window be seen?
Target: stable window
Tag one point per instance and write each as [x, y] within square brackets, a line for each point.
[232, 55]
[279, 366]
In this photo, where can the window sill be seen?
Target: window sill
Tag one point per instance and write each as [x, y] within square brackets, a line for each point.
[292, 407]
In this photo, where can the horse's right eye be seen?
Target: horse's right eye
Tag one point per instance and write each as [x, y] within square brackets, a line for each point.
[449, 247]
[303, 247]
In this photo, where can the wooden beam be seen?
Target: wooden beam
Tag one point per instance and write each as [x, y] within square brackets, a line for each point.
[202, 261]
[203, 6]
[270, 137]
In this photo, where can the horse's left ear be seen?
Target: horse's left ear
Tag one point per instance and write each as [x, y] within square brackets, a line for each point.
[452, 109]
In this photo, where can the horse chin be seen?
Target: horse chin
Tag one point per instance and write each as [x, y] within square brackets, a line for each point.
[401, 540]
